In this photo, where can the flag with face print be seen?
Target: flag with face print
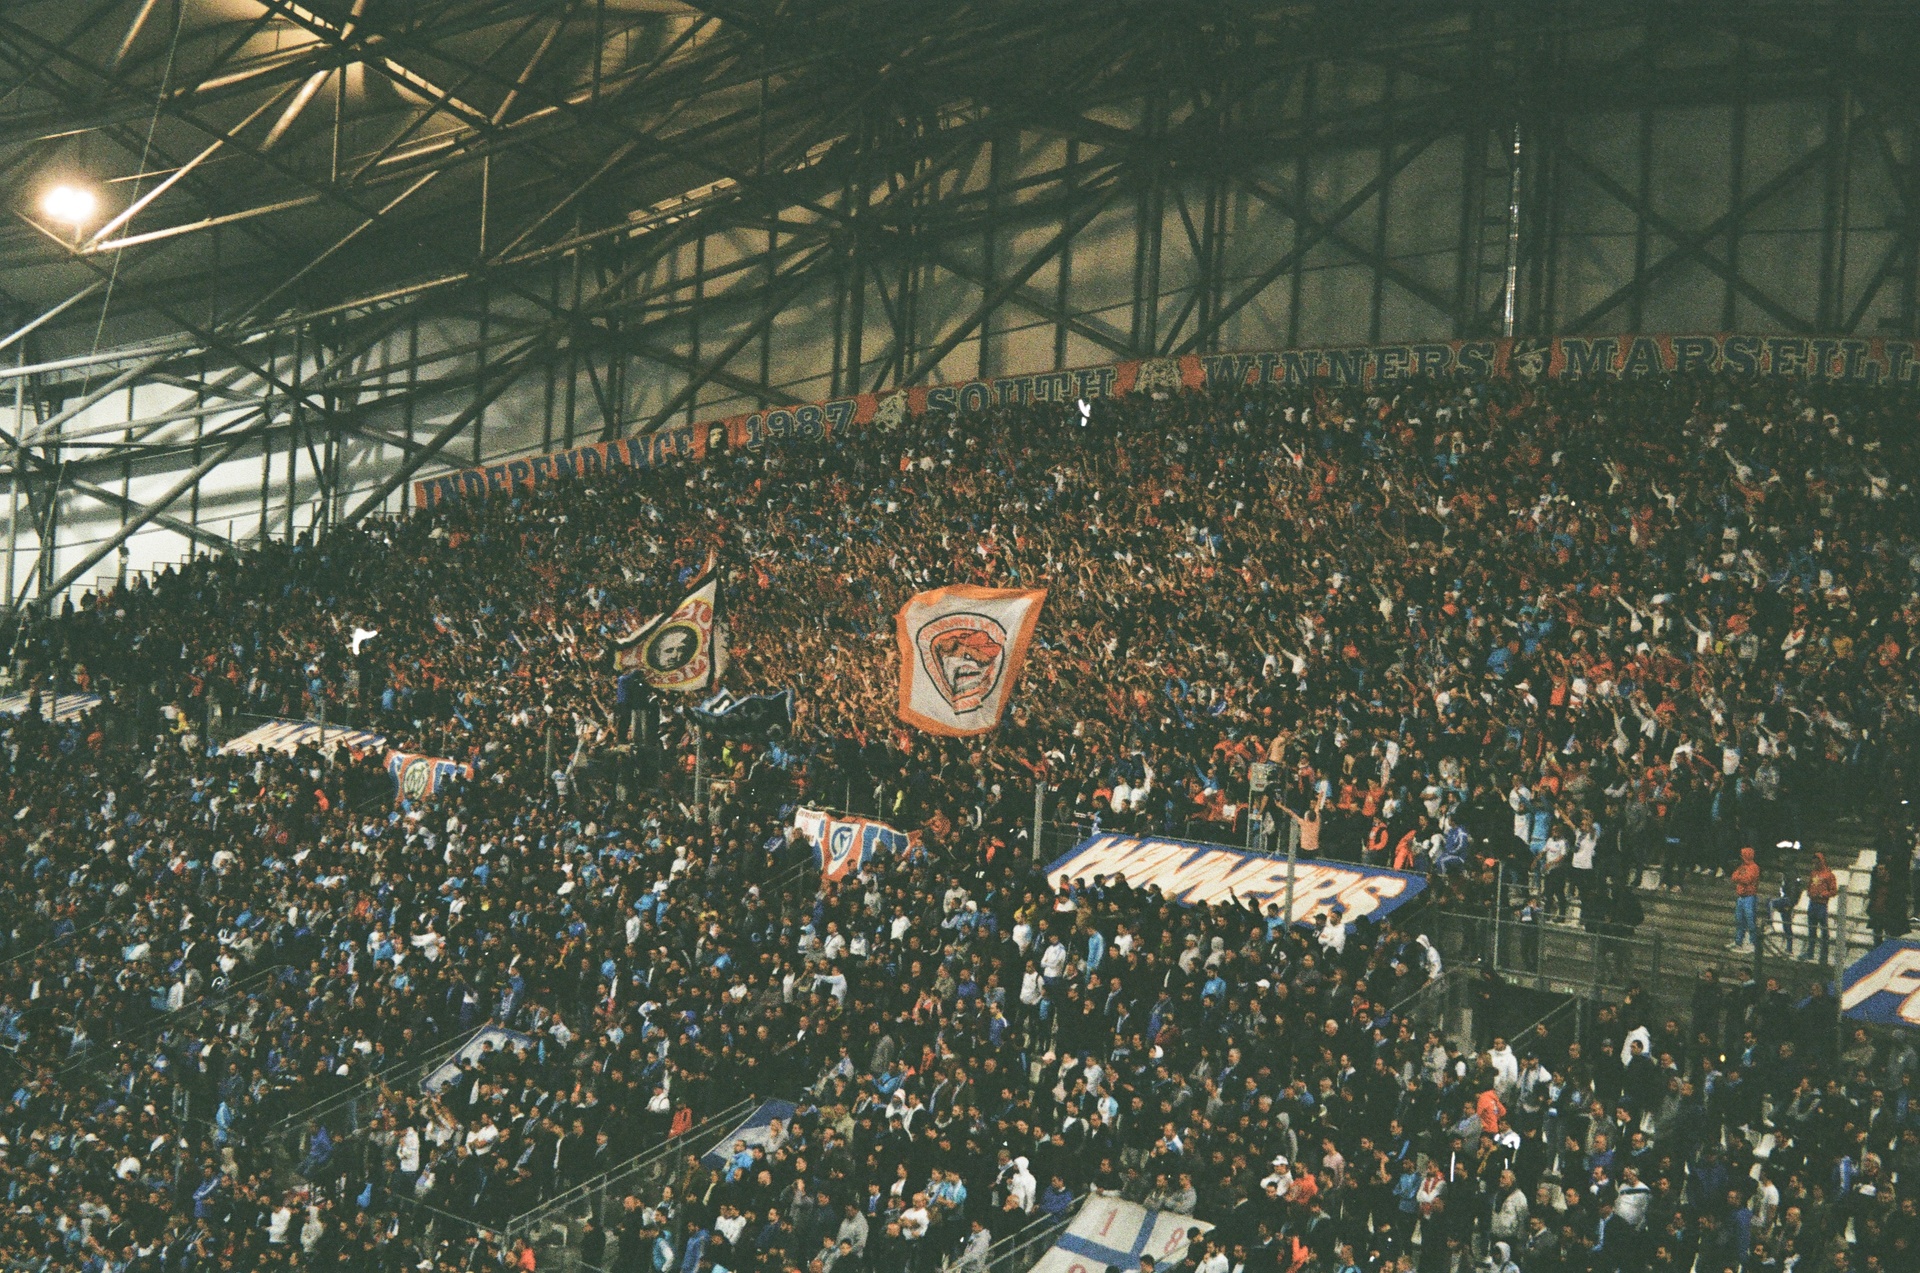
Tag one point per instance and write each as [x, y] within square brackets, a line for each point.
[685, 649]
[961, 653]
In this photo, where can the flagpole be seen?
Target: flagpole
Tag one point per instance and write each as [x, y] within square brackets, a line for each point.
[1039, 814]
[699, 771]
[1293, 848]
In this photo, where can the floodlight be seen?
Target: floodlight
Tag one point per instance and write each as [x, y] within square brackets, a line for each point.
[70, 205]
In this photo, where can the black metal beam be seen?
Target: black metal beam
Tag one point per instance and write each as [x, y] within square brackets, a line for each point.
[1690, 246]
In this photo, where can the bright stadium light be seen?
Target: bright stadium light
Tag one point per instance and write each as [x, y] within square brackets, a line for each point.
[70, 205]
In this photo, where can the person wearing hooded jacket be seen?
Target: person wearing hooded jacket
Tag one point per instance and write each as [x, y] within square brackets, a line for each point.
[1501, 1260]
[1430, 955]
[1021, 1186]
[1746, 893]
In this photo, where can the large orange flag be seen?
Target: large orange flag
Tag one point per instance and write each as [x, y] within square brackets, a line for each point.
[961, 652]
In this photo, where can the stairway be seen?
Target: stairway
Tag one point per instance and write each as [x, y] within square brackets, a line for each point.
[1688, 932]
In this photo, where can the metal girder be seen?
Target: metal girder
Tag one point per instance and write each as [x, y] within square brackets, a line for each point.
[1372, 256]
[996, 296]
[1038, 304]
[1691, 246]
[148, 512]
[1309, 235]
[497, 379]
[518, 142]
[773, 299]
[228, 443]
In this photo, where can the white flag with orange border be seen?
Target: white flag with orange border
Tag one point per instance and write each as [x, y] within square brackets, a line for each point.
[962, 649]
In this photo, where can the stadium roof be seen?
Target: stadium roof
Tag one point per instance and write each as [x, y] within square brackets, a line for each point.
[259, 159]
[277, 186]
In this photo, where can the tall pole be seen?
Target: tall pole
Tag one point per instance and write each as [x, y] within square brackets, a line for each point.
[1499, 910]
[13, 477]
[1293, 850]
[1039, 813]
[699, 771]
[1511, 291]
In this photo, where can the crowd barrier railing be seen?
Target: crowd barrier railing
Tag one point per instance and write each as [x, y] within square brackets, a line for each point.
[346, 1114]
[646, 1169]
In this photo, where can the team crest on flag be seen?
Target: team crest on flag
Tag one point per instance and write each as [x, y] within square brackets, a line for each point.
[684, 649]
[844, 844]
[961, 652]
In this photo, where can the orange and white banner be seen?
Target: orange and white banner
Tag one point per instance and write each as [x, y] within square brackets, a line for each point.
[961, 652]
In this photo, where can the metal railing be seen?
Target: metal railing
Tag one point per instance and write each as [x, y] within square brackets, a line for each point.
[645, 1170]
[1560, 958]
[346, 1114]
[1018, 1251]
[1572, 959]
[1439, 1005]
[105, 1051]
[1550, 1035]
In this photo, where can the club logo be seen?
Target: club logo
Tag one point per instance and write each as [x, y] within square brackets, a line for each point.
[965, 655]
[891, 413]
[843, 839]
[1530, 359]
[1158, 376]
[416, 777]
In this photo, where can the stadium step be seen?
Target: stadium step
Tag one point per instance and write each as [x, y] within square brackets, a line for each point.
[1688, 932]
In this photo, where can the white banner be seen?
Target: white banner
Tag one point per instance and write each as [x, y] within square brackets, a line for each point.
[961, 653]
[685, 650]
[68, 707]
[1112, 1233]
[288, 735]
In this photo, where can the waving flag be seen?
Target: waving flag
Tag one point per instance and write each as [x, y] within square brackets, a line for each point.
[684, 649]
[757, 718]
[415, 776]
[844, 844]
[961, 652]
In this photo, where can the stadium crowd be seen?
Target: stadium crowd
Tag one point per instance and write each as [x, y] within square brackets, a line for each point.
[1604, 634]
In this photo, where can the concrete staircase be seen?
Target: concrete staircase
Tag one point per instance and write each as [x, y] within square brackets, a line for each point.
[1694, 926]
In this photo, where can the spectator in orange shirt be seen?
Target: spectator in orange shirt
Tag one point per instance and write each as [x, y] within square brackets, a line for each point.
[1822, 887]
[1746, 890]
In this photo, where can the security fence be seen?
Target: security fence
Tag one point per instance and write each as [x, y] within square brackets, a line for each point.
[1020, 1249]
[347, 1113]
[1604, 963]
[561, 1217]
[1557, 958]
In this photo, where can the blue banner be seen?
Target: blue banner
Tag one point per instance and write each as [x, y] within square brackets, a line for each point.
[492, 1038]
[1883, 985]
[756, 718]
[1190, 873]
[756, 1132]
[416, 776]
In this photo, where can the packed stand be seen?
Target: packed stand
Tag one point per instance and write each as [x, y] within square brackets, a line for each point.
[1584, 630]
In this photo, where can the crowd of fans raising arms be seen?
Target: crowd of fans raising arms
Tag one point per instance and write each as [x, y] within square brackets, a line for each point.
[1589, 630]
